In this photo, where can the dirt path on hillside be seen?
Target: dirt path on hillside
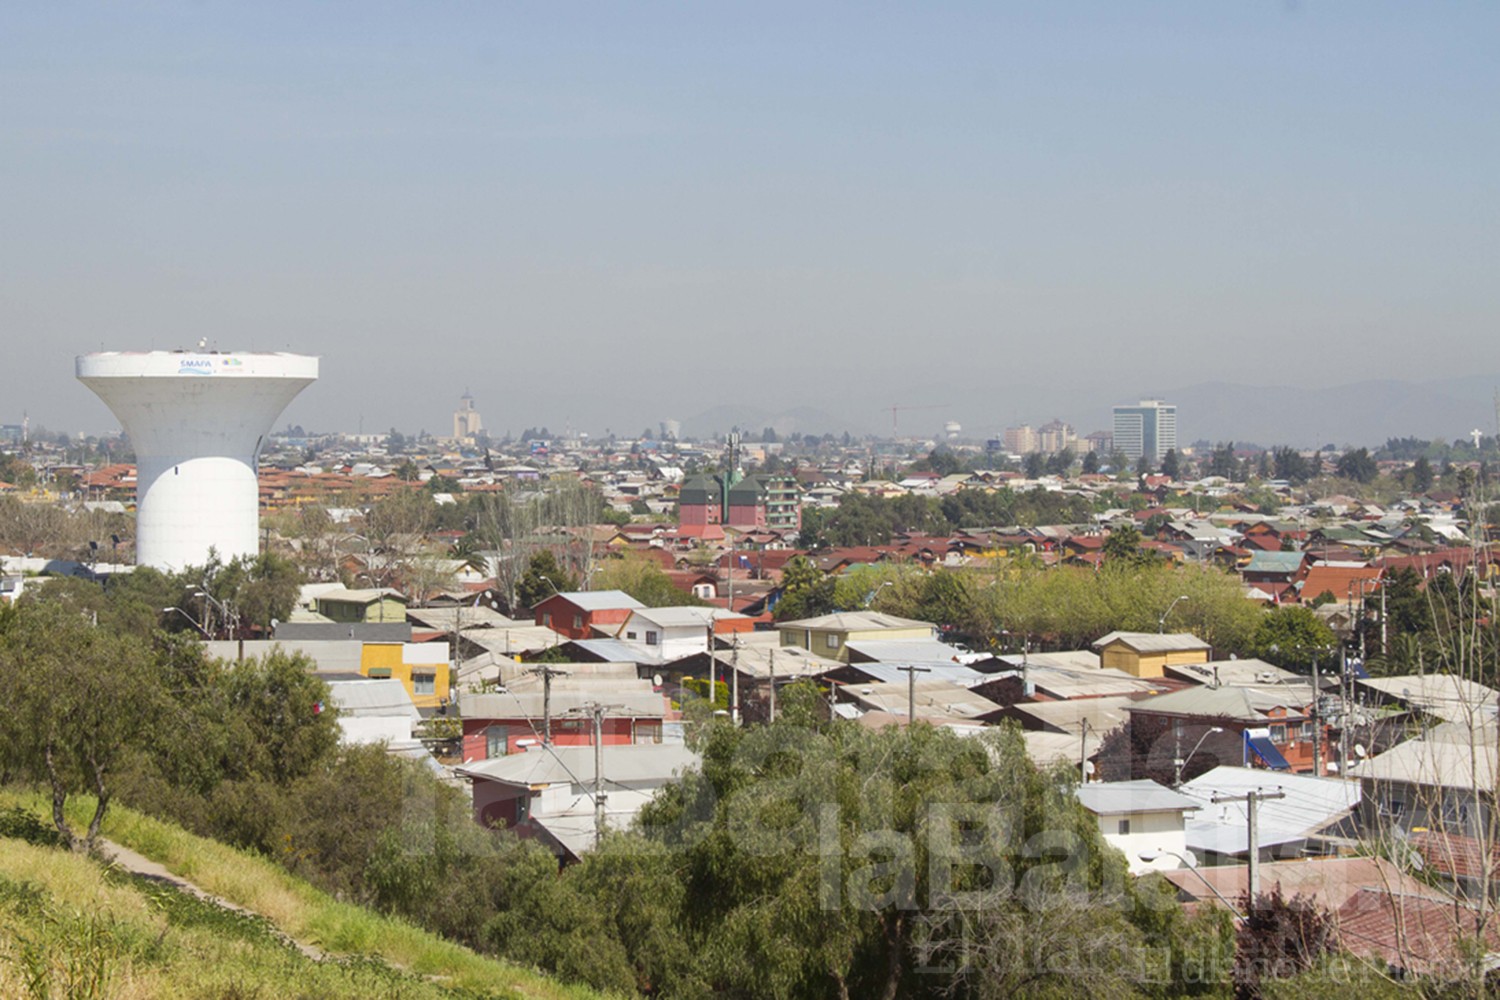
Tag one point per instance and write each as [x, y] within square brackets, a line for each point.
[139, 864]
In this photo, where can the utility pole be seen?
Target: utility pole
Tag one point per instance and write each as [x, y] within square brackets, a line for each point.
[734, 681]
[1083, 753]
[597, 711]
[713, 680]
[1252, 802]
[548, 672]
[911, 671]
[1317, 721]
[772, 661]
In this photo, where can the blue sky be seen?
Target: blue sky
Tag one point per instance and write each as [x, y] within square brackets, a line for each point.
[610, 214]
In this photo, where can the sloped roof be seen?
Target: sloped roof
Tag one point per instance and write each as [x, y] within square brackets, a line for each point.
[642, 763]
[1242, 703]
[1310, 805]
[1113, 798]
[599, 600]
[1152, 642]
[855, 621]
[1275, 562]
[364, 698]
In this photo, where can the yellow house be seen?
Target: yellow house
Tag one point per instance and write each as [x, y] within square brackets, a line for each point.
[828, 635]
[1148, 654]
[421, 667]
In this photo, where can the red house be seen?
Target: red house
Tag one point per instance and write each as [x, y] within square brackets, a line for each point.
[575, 614]
[499, 723]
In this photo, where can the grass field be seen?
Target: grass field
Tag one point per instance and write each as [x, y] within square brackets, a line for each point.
[70, 928]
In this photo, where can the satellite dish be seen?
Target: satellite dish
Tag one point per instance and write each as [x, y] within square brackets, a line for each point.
[1359, 750]
[1088, 767]
[656, 680]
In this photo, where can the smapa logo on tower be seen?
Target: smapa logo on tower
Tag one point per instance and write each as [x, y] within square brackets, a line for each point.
[195, 366]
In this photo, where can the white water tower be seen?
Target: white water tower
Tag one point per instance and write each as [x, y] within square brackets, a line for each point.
[197, 421]
[952, 429]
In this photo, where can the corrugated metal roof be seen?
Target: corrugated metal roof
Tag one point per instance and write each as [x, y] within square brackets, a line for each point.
[365, 698]
[1242, 703]
[1112, 798]
[1310, 804]
[855, 621]
[638, 763]
[599, 600]
[1153, 642]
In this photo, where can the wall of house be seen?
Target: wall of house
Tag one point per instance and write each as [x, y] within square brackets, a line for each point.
[387, 609]
[832, 644]
[1121, 657]
[495, 804]
[421, 667]
[1149, 831]
[566, 732]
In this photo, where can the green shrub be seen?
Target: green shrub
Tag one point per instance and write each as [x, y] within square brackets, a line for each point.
[22, 824]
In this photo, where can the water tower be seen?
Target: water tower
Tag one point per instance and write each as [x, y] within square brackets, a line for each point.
[197, 421]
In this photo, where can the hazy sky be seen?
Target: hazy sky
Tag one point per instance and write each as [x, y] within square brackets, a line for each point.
[606, 214]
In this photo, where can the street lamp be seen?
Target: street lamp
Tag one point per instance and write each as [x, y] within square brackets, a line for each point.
[1150, 856]
[1161, 623]
[228, 619]
[200, 628]
[1181, 762]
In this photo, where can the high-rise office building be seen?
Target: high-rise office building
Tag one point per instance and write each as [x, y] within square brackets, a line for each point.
[1147, 428]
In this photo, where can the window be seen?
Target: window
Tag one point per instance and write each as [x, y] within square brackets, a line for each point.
[1307, 730]
[379, 673]
[1278, 734]
[650, 638]
[648, 732]
[831, 640]
[1124, 827]
[496, 741]
[547, 619]
[578, 621]
[423, 682]
[523, 808]
[630, 635]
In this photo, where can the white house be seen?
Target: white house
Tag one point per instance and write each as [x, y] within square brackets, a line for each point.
[1141, 818]
[375, 711]
[548, 792]
[672, 633]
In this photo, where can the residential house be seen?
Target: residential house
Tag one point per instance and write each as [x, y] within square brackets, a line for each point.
[672, 633]
[1299, 814]
[375, 712]
[1142, 819]
[550, 793]
[578, 614]
[1264, 725]
[353, 606]
[829, 635]
[1441, 781]
[1148, 654]
[498, 723]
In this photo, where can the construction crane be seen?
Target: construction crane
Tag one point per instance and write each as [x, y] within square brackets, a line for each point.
[897, 408]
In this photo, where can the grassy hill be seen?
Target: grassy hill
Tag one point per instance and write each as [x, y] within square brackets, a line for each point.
[73, 926]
